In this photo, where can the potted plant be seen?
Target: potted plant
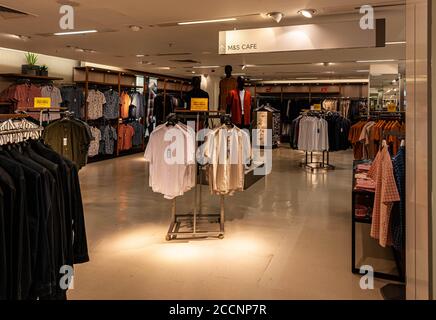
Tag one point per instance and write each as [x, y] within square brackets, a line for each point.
[43, 71]
[30, 68]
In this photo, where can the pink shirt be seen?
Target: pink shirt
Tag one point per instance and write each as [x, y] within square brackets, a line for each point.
[386, 193]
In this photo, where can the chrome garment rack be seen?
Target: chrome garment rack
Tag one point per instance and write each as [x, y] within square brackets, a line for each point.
[193, 222]
[324, 164]
[312, 165]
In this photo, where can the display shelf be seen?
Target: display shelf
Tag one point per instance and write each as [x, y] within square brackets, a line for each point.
[367, 220]
[29, 77]
[98, 83]
[362, 220]
[105, 71]
[7, 116]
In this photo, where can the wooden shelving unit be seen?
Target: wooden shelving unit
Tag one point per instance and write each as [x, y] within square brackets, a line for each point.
[91, 76]
[29, 77]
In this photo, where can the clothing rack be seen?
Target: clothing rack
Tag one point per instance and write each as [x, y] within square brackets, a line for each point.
[192, 220]
[19, 130]
[324, 164]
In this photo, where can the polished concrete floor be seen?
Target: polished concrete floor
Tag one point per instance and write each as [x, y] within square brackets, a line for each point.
[287, 237]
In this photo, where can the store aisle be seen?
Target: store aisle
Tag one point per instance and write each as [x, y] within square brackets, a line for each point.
[287, 237]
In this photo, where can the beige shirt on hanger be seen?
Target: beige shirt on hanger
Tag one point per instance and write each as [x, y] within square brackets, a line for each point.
[227, 152]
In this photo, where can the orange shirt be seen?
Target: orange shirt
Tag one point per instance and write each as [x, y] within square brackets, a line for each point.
[125, 137]
[125, 104]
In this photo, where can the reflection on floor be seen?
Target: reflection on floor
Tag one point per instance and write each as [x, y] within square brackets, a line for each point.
[287, 237]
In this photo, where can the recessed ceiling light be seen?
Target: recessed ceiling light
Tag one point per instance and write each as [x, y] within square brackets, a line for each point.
[307, 13]
[135, 28]
[19, 37]
[206, 21]
[193, 72]
[276, 16]
[163, 68]
[375, 61]
[140, 55]
[70, 33]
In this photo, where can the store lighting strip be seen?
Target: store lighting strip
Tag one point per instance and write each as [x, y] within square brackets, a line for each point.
[74, 33]
[205, 67]
[376, 61]
[206, 21]
[395, 42]
[320, 81]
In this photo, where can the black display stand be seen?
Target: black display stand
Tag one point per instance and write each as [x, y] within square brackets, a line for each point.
[367, 197]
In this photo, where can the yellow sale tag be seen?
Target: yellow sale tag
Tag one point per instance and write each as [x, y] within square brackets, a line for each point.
[392, 107]
[42, 103]
[199, 104]
[317, 107]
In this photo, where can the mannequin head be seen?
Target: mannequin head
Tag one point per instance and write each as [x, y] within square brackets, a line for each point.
[196, 82]
[228, 70]
[241, 83]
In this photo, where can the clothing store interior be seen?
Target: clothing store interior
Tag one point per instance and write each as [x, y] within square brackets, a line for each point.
[311, 98]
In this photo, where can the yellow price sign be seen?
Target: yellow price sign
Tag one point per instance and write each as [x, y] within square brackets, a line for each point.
[199, 104]
[317, 107]
[392, 107]
[42, 103]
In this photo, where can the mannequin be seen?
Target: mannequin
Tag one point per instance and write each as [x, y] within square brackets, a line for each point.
[196, 92]
[226, 85]
[239, 105]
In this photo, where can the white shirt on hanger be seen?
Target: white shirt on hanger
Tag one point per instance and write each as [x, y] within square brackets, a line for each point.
[242, 98]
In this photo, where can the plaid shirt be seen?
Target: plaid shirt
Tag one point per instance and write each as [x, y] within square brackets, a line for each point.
[386, 194]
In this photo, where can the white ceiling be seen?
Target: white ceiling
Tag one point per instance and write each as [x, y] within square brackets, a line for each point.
[117, 45]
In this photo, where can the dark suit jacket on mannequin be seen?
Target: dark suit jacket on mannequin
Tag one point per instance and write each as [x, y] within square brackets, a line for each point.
[234, 101]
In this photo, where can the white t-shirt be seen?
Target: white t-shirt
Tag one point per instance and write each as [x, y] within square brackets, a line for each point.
[171, 172]
[242, 97]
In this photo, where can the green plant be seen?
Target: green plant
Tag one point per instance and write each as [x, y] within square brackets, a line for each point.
[31, 58]
[43, 68]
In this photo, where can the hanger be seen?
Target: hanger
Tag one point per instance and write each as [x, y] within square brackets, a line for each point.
[172, 120]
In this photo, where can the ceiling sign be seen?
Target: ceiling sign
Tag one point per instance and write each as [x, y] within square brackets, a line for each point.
[385, 68]
[340, 35]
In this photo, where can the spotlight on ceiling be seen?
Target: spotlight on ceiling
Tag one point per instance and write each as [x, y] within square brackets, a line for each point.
[276, 16]
[307, 13]
[135, 28]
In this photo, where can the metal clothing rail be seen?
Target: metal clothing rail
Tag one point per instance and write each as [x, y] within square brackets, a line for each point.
[191, 221]
[312, 165]
[324, 164]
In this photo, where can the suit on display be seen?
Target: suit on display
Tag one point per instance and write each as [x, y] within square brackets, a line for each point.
[239, 105]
